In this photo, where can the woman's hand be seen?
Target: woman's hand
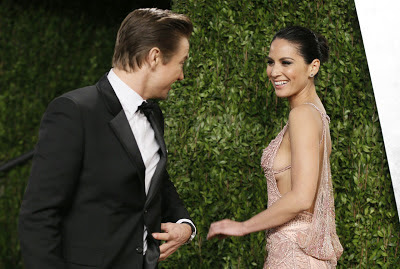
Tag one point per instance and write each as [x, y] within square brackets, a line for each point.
[225, 228]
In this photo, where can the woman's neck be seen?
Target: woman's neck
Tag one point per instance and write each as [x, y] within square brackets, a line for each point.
[308, 95]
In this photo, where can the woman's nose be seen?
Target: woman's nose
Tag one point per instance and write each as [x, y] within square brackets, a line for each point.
[275, 71]
[181, 76]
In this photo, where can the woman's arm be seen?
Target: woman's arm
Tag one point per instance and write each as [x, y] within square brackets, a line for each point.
[305, 130]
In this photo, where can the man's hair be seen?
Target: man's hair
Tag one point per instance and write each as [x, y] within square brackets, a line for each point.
[144, 29]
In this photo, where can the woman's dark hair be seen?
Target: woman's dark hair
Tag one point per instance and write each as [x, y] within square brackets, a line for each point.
[310, 45]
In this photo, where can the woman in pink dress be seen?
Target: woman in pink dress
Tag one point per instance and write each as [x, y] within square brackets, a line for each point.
[300, 218]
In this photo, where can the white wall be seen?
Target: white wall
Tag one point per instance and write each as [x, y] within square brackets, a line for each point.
[380, 29]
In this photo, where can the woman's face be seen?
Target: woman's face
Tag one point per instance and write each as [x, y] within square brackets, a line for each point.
[287, 70]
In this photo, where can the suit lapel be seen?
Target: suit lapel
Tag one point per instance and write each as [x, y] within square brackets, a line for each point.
[156, 124]
[156, 180]
[123, 131]
[120, 125]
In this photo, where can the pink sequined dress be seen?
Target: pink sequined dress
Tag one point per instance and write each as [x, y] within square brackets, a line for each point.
[309, 240]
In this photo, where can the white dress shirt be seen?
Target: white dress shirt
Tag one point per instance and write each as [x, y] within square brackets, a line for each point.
[143, 133]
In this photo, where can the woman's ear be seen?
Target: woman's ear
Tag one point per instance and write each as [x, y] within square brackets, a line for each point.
[314, 67]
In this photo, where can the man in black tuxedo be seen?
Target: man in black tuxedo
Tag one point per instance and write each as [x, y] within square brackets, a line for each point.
[99, 195]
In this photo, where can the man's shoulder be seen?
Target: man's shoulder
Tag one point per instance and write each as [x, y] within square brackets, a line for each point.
[85, 98]
[82, 95]
[88, 94]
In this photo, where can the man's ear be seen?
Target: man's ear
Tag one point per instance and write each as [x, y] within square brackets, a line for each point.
[154, 57]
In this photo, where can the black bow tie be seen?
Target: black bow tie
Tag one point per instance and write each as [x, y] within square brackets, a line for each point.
[146, 108]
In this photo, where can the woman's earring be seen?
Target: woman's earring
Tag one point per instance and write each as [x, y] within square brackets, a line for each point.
[311, 75]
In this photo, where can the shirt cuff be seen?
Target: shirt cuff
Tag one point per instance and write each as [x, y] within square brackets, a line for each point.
[194, 230]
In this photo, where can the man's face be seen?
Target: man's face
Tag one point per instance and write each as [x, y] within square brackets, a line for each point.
[164, 75]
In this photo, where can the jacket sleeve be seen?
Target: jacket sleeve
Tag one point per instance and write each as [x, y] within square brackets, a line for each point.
[55, 171]
[173, 207]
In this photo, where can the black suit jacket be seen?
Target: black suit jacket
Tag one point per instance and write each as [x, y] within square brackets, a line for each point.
[85, 204]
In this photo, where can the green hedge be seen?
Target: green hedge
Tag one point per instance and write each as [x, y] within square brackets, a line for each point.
[218, 120]
[41, 56]
[221, 117]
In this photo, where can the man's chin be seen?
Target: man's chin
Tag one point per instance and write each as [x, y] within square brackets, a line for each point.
[160, 96]
[165, 95]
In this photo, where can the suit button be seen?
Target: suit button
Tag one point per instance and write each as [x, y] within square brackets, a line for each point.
[145, 211]
[139, 250]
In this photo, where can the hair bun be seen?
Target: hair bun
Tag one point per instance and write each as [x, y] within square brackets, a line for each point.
[323, 48]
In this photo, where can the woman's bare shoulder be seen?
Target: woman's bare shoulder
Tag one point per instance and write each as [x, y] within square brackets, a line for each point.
[304, 120]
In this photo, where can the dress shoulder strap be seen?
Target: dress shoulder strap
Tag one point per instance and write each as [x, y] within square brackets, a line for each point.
[323, 116]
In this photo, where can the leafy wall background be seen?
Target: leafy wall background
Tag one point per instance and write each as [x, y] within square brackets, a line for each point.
[218, 120]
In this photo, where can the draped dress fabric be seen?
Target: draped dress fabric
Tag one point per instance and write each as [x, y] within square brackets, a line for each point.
[308, 240]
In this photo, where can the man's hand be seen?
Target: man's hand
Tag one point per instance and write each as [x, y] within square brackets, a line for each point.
[175, 235]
